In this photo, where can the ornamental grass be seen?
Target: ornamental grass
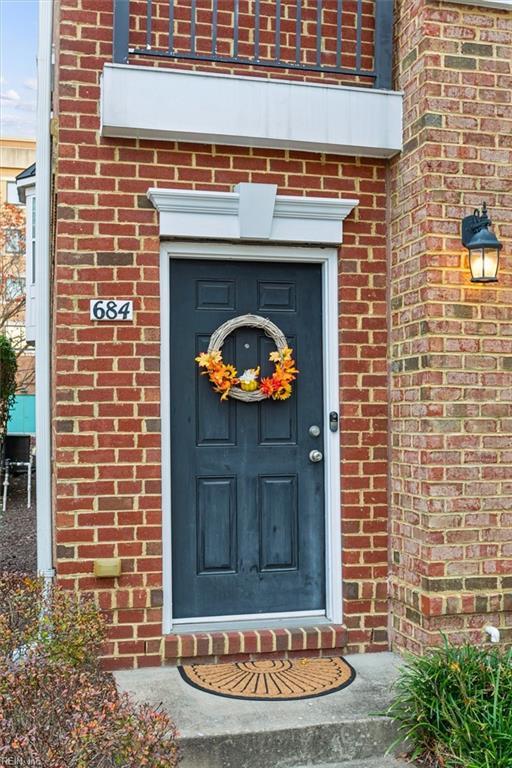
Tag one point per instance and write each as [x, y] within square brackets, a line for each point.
[58, 709]
[454, 707]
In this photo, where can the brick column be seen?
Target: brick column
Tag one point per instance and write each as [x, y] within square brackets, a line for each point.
[451, 341]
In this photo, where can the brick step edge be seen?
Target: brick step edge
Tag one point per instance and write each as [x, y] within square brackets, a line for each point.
[247, 645]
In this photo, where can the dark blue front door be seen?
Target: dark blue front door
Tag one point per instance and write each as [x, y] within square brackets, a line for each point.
[248, 524]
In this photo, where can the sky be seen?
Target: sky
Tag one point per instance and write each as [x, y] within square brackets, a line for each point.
[18, 85]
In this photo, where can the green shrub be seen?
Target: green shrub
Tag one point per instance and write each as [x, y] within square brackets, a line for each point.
[454, 707]
[62, 625]
[58, 715]
[57, 707]
[8, 368]
[20, 607]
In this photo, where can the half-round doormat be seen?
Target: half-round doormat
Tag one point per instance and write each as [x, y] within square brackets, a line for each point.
[271, 680]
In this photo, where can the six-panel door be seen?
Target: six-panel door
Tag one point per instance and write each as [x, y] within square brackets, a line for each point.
[248, 524]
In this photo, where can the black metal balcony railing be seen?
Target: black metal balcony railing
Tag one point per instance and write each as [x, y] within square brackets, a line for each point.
[327, 36]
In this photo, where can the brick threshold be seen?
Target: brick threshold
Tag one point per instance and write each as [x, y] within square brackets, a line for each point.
[251, 645]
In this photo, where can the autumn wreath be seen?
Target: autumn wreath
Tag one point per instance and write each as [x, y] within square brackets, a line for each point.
[248, 387]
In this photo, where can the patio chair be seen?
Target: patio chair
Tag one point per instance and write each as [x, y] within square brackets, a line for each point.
[17, 456]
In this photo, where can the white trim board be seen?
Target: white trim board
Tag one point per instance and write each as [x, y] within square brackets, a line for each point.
[251, 623]
[251, 212]
[213, 108]
[24, 186]
[328, 258]
[43, 305]
[252, 617]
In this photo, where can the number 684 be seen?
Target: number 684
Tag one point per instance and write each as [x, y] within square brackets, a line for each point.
[111, 309]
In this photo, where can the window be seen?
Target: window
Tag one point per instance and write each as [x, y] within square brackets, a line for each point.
[14, 288]
[15, 333]
[32, 239]
[12, 240]
[12, 193]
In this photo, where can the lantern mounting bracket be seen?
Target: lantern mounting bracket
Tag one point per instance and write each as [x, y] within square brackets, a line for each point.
[474, 223]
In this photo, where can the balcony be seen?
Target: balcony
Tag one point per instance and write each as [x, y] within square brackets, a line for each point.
[344, 40]
[301, 74]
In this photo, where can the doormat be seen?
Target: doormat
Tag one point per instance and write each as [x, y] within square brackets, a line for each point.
[271, 680]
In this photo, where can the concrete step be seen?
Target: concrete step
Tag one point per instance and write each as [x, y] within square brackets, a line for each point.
[217, 732]
[371, 762]
[340, 742]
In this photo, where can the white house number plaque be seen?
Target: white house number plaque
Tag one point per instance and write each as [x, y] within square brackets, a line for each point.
[111, 310]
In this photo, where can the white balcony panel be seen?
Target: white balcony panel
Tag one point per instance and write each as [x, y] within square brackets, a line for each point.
[177, 105]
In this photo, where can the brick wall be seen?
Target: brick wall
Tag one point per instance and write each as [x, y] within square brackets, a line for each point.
[451, 342]
[106, 378]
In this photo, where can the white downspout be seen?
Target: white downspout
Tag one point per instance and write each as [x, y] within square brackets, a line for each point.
[42, 335]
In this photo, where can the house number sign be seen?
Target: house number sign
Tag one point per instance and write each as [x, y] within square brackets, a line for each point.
[111, 309]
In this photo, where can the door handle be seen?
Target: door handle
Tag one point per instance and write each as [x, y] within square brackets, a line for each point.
[315, 456]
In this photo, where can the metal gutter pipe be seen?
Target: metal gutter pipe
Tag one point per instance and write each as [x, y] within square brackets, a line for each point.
[43, 269]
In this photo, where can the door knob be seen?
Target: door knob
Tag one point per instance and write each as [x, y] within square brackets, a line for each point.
[315, 456]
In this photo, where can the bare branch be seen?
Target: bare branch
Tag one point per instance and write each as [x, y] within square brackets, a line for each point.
[12, 289]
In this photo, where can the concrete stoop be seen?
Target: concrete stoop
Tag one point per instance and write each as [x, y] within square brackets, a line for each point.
[340, 729]
[372, 762]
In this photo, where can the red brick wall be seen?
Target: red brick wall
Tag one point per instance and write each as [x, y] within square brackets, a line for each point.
[106, 378]
[451, 343]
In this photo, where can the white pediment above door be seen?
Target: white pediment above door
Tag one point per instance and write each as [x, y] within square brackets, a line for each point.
[251, 212]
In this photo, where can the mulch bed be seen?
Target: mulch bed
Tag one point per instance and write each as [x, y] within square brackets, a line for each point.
[18, 527]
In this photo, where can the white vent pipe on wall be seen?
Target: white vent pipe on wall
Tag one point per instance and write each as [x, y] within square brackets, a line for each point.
[493, 633]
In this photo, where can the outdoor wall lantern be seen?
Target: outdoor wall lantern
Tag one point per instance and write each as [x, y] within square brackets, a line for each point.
[483, 247]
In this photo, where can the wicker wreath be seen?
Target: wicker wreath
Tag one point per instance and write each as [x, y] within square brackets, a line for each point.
[285, 364]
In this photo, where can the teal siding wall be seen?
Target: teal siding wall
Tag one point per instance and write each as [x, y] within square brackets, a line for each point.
[23, 416]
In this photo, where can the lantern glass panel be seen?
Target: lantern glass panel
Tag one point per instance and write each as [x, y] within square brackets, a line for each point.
[483, 263]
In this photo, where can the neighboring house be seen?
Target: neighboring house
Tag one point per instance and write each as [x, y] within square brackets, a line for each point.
[22, 417]
[15, 155]
[309, 163]
[26, 186]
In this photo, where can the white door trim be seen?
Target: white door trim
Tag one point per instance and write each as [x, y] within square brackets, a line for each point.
[328, 258]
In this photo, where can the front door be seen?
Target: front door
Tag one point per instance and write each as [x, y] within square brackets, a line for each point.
[248, 522]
